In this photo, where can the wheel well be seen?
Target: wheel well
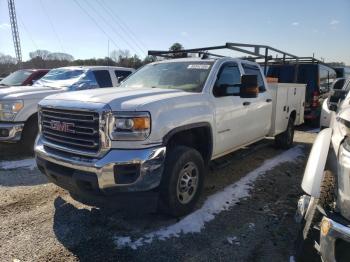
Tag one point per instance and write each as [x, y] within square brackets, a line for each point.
[32, 119]
[199, 138]
[293, 115]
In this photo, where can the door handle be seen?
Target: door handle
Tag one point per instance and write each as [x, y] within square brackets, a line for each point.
[246, 103]
[268, 100]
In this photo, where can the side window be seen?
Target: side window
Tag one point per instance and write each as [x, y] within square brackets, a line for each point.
[254, 70]
[122, 74]
[103, 78]
[229, 77]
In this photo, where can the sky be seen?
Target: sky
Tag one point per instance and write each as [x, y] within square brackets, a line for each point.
[86, 28]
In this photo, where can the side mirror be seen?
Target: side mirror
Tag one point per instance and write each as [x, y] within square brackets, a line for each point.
[120, 78]
[249, 86]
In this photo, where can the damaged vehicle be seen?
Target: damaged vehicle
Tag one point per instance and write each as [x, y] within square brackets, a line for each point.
[324, 211]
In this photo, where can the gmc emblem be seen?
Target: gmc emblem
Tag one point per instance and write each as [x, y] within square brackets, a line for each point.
[62, 126]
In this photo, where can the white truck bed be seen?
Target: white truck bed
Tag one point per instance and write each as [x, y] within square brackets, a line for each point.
[286, 98]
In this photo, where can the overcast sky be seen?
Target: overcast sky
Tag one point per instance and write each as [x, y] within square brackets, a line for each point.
[83, 28]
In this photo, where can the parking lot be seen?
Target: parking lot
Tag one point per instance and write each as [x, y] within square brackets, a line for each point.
[246, 213]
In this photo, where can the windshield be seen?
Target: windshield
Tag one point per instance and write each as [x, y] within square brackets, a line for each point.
[186, 76]
[61, 77]
[16, 78]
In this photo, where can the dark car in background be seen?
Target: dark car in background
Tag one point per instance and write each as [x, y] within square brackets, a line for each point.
[23, 77]
[318, 79]
[343, 71]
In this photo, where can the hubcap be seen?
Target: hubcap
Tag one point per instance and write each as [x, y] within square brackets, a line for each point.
[187, 183]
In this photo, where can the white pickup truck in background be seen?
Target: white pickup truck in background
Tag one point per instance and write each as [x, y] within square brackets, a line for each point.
[158, 131]
[18, 104]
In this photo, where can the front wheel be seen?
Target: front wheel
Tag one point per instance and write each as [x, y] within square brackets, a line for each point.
[182, 181]
[285, 139]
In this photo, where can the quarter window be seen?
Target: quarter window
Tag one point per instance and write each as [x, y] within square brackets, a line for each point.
[254, 70]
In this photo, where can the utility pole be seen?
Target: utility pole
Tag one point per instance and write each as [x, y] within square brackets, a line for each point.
[14, 28]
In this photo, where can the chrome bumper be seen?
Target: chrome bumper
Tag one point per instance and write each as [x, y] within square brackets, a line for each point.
[330, 232]
[150, 160]
[13, 132]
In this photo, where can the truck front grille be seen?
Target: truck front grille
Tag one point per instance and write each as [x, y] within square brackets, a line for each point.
[71, 129]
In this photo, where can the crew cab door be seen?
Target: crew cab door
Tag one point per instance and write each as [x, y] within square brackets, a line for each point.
[230, 113]
[259, 108]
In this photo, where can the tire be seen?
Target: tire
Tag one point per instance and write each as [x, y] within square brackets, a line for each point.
[307, 234]
[182, 181]
[29, 134]
[285, 139]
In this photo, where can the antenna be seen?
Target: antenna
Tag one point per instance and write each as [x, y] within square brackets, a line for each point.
[14, 28]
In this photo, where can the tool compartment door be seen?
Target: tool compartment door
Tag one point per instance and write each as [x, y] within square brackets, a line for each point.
[280, 113]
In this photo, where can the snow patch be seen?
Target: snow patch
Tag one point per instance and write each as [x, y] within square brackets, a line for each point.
[232, 240]
[220, 201]
[24, 163]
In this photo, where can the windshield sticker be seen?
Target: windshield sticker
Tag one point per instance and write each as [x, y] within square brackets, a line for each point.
[198, 66]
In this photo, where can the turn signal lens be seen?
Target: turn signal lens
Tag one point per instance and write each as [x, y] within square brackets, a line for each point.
[141, 123]
[325, 226]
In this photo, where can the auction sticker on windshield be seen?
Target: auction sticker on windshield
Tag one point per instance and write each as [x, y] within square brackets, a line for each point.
[198, 66]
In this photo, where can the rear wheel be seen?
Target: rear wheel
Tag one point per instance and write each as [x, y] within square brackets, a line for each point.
[182, 181]
[308, 234]
[285, 139]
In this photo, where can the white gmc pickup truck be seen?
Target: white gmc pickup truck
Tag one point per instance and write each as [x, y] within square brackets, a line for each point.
[19, 104]
[158, 131]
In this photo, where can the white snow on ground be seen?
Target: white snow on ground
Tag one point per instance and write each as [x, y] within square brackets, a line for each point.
[220, 201]
[24, 163]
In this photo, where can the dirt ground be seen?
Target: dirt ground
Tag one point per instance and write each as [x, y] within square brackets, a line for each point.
[41, 222]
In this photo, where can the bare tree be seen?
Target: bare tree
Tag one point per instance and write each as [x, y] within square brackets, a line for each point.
[43, 54]
[118, 55]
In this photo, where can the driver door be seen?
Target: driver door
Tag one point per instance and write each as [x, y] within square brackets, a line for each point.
[230, 113]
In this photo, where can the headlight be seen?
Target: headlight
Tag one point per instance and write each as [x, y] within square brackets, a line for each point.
[9, 109]
[130, 126]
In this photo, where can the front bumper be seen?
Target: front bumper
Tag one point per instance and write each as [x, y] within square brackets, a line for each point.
[120, 170]
[333, 235]
[11, 132]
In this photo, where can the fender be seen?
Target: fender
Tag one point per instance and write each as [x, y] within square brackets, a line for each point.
[316, 163]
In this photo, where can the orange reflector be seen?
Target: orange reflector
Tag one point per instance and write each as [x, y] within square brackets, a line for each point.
[272, 79]
[141, 123]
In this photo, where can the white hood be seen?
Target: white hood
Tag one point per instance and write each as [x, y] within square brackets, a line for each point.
[29, 92]
[120, 98]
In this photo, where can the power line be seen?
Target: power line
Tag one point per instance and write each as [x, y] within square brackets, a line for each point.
[52, 26]
[95, 22]
[115, 31]
[28, 33]
[124, 28]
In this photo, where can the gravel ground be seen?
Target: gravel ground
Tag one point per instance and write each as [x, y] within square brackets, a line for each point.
[41, 222]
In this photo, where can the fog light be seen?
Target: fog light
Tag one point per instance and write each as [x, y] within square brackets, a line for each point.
[325, 226]
[4, 132]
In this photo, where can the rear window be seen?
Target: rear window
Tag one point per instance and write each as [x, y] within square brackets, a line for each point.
[103, 78]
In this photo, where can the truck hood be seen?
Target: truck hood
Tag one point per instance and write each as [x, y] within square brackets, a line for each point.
[121, 98]
[20, 92]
